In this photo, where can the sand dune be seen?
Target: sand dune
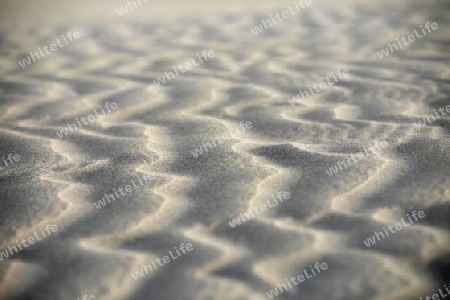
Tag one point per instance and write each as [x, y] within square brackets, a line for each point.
[193, 199]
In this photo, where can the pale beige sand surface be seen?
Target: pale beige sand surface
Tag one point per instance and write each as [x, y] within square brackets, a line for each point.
[289, 148]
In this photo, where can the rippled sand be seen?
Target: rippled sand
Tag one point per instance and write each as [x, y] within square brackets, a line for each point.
[192, 199]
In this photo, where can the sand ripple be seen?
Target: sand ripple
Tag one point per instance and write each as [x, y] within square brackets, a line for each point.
[192, 199]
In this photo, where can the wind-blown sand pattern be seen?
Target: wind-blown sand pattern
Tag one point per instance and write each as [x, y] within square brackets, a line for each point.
[192, 199]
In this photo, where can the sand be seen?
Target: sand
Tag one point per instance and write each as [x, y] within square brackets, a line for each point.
[192, 199]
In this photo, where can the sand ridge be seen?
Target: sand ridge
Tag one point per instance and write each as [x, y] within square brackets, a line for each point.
[192, 199]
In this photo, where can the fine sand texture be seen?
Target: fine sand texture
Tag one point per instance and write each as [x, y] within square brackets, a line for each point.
[192, 199]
